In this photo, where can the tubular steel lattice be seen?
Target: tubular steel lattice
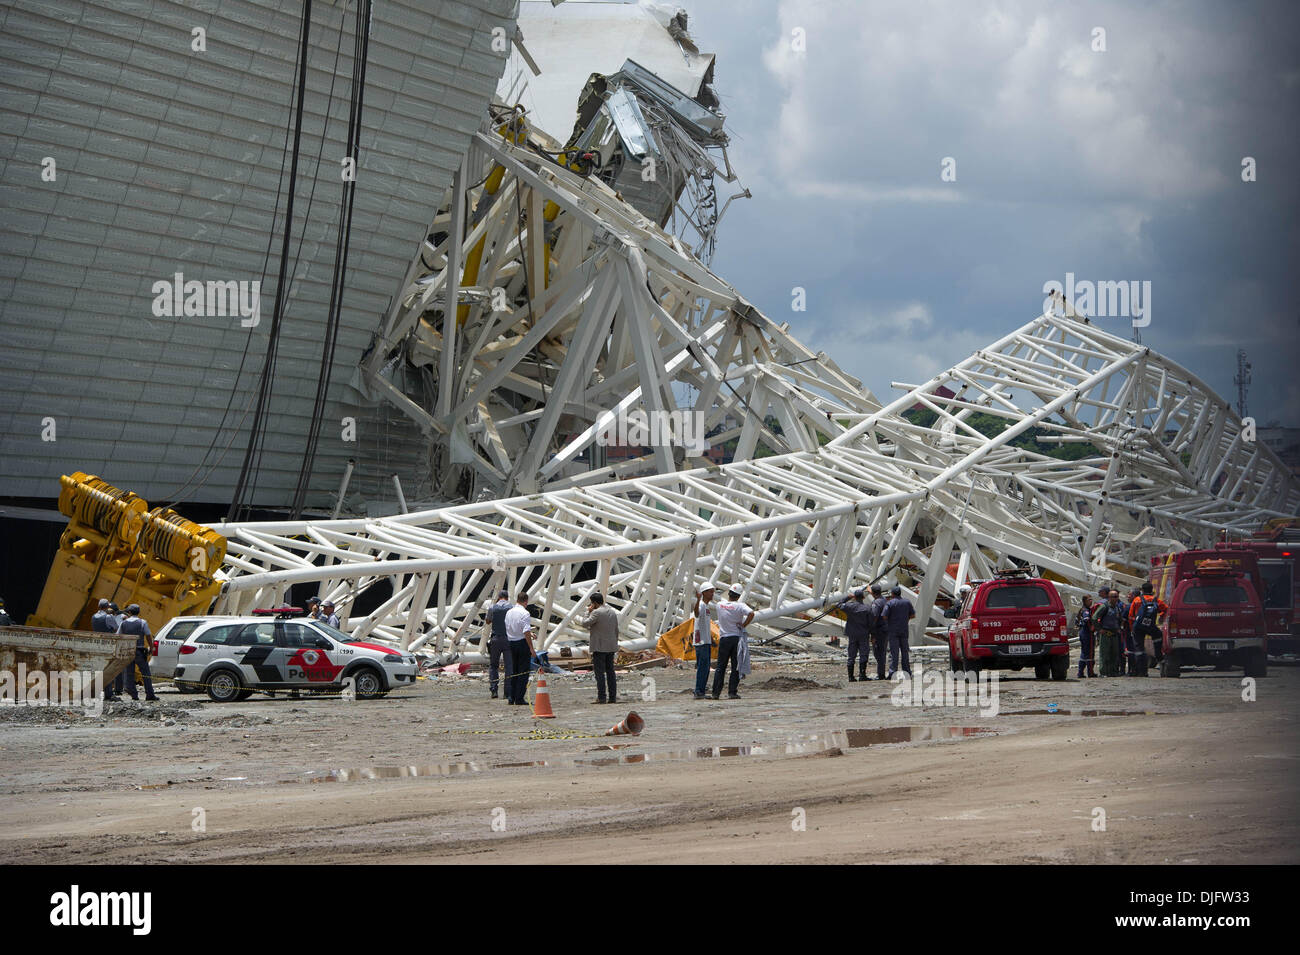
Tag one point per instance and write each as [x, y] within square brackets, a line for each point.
[1172, 469]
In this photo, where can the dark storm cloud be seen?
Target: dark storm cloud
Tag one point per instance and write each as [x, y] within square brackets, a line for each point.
[1122, 164]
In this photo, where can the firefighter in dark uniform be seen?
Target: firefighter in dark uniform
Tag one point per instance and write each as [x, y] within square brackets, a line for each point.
[857, 627]
[879, 639]
[137, 625]
[898, 614]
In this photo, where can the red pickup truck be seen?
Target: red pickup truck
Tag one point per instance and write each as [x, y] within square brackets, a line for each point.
[1011, 622]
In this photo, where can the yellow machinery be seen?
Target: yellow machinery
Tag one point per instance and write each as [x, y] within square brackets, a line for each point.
[115, 547]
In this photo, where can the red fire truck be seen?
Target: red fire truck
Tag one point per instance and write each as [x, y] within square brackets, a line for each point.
[1278, 584]
[1215, 618]
[1168, 570]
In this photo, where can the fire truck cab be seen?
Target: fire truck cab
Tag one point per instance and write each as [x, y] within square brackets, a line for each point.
[1215, 619]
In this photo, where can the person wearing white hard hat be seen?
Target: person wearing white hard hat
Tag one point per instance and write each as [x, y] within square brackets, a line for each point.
[734, 615]
[705, 613]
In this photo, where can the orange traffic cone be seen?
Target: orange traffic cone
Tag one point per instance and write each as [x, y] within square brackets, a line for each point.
[542, 702]
[632, 726]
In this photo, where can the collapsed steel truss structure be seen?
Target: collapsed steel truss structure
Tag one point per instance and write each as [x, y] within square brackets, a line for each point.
[583, 310]
[605, 314]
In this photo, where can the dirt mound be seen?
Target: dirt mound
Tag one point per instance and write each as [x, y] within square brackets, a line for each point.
[237, 720]
[127, 710]
[788, 684]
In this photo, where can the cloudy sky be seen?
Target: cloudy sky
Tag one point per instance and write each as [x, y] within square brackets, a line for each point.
[1122, 164]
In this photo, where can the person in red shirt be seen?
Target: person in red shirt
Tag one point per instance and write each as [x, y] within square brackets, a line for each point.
[1144, 615]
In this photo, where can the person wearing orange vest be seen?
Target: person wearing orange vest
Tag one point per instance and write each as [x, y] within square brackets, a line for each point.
[1144, 615]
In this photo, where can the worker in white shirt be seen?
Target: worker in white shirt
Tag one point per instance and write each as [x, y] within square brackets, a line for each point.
[705, 612]
[519, 631]
[733, 616]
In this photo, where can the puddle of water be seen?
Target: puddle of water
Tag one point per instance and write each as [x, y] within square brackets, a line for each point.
[1060, 712]
[855, 739]
[817, 743]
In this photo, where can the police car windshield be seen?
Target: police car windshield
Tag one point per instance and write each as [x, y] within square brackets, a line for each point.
[338, 635]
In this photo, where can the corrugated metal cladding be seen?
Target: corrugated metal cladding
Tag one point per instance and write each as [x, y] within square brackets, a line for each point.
[168, 160]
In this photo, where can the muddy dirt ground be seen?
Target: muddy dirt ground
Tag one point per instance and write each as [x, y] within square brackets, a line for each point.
[1190, 773]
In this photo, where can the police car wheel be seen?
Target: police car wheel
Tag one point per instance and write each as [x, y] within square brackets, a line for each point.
[367, 683]
[224, 686]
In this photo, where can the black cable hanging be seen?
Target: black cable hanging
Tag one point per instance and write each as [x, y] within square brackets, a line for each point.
[179, 496]
[256, 430]
[329, 342]
[311, 199]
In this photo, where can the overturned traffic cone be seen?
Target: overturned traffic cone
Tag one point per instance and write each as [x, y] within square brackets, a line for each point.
[542, 701]
[631, 726]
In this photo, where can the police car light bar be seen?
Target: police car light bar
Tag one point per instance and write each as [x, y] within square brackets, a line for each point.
[279, 612]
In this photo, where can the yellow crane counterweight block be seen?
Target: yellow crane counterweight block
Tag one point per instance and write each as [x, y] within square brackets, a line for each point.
[92, 504]
[181, 543]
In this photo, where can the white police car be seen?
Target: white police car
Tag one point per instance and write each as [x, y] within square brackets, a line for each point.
[232, 657]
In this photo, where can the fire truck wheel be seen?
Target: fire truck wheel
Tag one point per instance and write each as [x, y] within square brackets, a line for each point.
[1060, 667]
[1257, 664]
[1042, 671]
[1169, 666]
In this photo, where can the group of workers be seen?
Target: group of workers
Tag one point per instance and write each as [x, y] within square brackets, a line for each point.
[732, 616]
[511, 653]
[871, 626]
[108, 619]
[1113, 634]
